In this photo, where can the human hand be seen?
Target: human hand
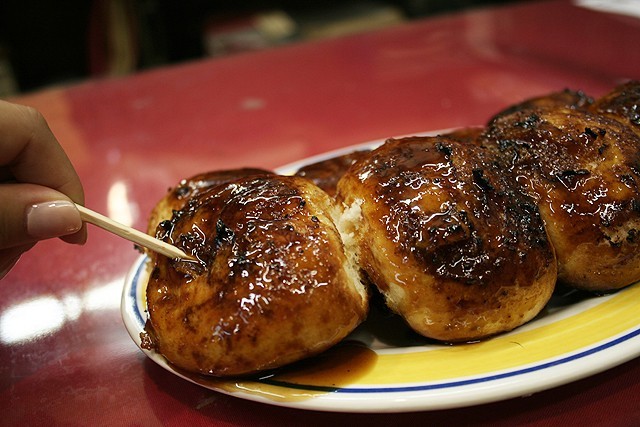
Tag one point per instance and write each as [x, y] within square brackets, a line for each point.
[38, 186]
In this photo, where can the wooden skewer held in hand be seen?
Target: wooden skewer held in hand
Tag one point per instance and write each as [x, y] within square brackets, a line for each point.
[131, 234]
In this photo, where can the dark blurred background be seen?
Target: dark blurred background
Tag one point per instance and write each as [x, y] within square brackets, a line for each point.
[47, 43]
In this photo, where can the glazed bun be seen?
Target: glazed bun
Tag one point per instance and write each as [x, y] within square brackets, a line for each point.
[578, 158]
[455, 249]
[176, 197]
[273, 283]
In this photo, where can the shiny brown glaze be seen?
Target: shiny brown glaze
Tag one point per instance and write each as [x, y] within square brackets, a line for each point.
[273, 283]
[188, 188]
[582, 168]
[622, 104]
[326, 173]
[574, 100]
[454, 247]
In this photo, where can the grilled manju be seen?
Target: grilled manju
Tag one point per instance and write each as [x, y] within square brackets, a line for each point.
[273, 283]
[453, 246]
[464, 234]
[580, 160]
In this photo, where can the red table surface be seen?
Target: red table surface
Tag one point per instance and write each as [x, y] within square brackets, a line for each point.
[65, 356]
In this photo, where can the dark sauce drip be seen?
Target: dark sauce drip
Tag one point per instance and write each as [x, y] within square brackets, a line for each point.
[340, 366]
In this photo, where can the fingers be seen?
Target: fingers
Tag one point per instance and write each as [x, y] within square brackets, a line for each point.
[37, 185]
[31, 212]
[30, 153]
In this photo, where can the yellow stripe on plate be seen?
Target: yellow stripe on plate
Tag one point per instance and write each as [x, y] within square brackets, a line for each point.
[614, 316]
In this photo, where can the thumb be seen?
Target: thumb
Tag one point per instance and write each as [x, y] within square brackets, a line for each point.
[30, 212]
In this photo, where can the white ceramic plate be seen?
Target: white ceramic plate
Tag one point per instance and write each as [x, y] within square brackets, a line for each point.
[384, 367]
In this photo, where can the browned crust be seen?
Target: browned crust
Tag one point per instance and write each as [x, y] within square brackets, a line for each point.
[272, 286]
[456, 249]
[582, 167]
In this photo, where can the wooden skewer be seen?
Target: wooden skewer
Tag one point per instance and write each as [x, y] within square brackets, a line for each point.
[131, 234]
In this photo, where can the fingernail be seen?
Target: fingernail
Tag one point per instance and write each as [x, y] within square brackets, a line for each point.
[53, 219]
